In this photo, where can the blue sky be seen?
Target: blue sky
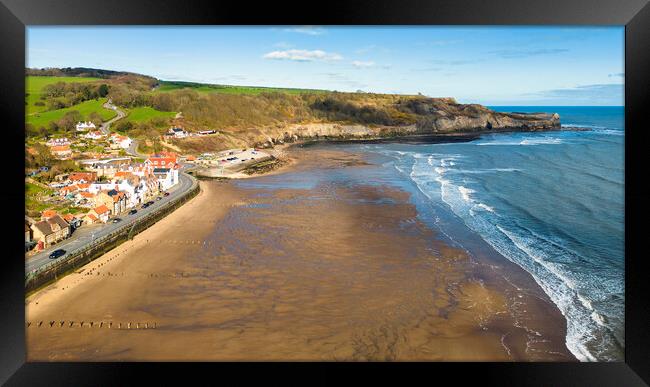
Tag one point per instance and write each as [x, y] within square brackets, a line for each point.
[487, 65]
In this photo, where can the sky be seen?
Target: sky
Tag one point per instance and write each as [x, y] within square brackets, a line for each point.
[519, 65]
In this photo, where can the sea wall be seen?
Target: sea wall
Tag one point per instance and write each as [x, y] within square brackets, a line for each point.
[43, 276]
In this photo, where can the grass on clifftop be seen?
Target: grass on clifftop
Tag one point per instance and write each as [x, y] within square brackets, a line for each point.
[39, 116]
[141, 114]
[84, 108]
[34, 88]
[226, 89]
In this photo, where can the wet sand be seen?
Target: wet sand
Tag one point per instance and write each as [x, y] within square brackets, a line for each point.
[335, 272]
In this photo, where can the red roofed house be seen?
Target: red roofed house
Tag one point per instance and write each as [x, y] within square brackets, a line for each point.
[47, 214]
[101, 213]
[61, 151]
[113, 199]
[90, 218]
[69, 189]
[50, 231]
[72, 220]
[160, 162]
[85, 195]
[83, 177]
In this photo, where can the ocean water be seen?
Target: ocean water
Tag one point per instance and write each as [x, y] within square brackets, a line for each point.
[551, 202]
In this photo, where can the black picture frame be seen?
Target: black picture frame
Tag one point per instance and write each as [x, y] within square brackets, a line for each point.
[15, 15]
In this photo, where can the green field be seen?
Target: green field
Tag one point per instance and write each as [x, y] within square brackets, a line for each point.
[85, 108]
[38, 116]
[34, 87]
[146, 113]
[205, 88]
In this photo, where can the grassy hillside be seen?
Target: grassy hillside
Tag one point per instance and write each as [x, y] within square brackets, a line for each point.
[146, 113]
[243, 115]
[226, 89]
[34, 89]
[84, 108]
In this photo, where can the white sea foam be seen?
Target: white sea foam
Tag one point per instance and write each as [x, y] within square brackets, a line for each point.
[599, 319]
[530, 251]
[464, 192]
[540, 141]
[486, 207]
[526, 141]
[585, 302]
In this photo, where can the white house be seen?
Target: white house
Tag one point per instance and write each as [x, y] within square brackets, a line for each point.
[95, 135]
[58, 142]
[177, 133]
[167, 177]
[84, 126]
[121, 141]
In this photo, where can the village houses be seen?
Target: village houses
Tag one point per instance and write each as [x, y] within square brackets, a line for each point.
[58, 142]
[85, 126]
[50, 230]
[119, 141]
[113, 199]
[97, 214]
[94, 135]
[61, 152]
[177, 133]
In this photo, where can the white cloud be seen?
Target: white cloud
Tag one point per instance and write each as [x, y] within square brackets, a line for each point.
[361, 64]
[307, 30]
[303, 55]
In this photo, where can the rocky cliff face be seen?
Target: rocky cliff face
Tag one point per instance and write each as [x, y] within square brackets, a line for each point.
[432, 116]
[352, 117]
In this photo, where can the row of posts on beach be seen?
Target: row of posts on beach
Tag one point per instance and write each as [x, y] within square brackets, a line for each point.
[91, 324]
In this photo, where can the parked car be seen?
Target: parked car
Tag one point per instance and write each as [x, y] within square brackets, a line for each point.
[133, 212]
[150, 202]
[116, 220]
[159, 198]
[166, 193]
[29, 245]
[145, 206]
[57, 253]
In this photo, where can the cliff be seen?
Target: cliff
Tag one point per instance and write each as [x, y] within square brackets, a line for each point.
[354, 116]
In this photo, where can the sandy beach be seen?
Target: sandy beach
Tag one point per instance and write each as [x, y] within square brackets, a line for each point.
[331, 272]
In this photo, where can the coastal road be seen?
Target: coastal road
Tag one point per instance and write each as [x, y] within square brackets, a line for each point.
[105, 128]
[86, 234]
[132, 150]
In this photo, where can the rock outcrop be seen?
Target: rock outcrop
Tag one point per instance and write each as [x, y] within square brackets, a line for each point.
[432, 116]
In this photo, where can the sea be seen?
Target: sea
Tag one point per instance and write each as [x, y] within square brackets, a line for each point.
[551, 202]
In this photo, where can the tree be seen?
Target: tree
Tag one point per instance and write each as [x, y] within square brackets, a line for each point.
[124, 126]
[43, 156]
[69, 120]
[95, 118]
[102, 90]
[53, 127]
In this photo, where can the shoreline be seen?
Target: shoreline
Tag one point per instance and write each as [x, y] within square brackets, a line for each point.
[214, 278]
[427, 138]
